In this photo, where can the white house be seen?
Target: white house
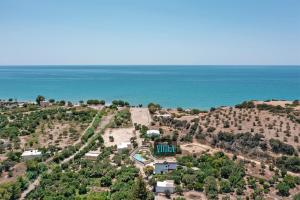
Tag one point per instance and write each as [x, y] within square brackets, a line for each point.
[151, 133]
[163, 166]
[123, 146]
[164, 116]
[91, 155]
[31, 154]
[164, 186]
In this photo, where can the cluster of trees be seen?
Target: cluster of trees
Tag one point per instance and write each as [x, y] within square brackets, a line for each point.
[34, 168]
[280, 147]
[170, 121]
[95, 102]
[91, 130]
[41, 98]
[241, 142]
[291, 163]
[25, 124]
[12, 159]
[153, 107]
[246, 104]
[288, 182]
[76, 180]
[214, 174]
[88, 133]
[65, 153]
[271, 108]
[122, 118]
[142, 128]
[120, 103]
[12, 190]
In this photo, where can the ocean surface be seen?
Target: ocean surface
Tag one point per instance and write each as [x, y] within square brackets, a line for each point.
[171, 86]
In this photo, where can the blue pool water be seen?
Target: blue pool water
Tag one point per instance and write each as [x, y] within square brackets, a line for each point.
[170, 86]
[139, 157]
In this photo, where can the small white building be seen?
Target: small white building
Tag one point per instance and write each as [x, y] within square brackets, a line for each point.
[151, 133]
[91, 155]
[164, 115]
[123, 146]
[31, 154]
[164, 186]
[162, 166]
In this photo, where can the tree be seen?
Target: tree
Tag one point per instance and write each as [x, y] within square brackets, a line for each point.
[179, 189]
[225, 186]
[139, 190]
[226, 171]
[39, 98]
[283, 189]
[148, 170]
[211, 188]
[153, 107]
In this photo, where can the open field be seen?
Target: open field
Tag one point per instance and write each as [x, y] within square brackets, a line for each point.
[119, 134]
[140, 116]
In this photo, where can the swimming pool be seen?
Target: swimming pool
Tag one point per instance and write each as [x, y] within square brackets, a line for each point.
[139, 157]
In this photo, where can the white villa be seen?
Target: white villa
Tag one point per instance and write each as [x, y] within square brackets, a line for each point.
[151, 133]
[91, 155]
[162, 166]
[164, 186]
[123, 146]
[31, 154]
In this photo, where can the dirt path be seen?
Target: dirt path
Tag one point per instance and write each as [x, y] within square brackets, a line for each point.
[140, 116]
[104, 121]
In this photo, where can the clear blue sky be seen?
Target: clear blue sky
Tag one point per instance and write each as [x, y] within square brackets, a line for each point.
[149, 32]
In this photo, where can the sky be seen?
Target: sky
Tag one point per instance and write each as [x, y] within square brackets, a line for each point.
[149, 32]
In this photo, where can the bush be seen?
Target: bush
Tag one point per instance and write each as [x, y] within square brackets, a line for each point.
[246, 104]
[283, 189]
[225, 186]
[281, 147]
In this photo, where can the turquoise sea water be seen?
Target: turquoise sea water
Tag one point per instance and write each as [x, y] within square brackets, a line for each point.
[171, 86]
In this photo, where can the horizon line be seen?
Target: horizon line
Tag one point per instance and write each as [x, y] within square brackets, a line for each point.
[57, 65]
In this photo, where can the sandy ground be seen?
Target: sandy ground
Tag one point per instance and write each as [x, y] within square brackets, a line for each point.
[120, 135]
[274, 103]
[194, 148]
[96, 107]
[140, 116]
[190, 195]
[277, 103]
[194, 195]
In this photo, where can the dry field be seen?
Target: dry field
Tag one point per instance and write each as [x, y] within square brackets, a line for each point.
[236, 120]
[140, 116]
[193, 148]
[119, 134]
[55, 133]
[61, 134]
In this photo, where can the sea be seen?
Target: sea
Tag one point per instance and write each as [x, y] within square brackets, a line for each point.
[171, 86]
